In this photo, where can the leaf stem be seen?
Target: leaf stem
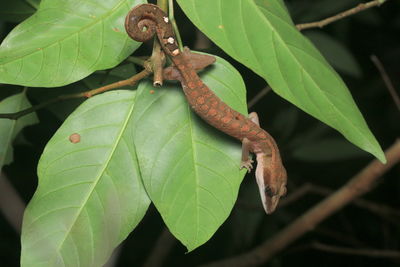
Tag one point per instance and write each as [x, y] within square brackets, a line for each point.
[128, 82]
[163, 4]
[386, 80]
[136, 60]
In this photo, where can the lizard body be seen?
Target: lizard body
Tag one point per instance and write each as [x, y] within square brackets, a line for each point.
[145, 20]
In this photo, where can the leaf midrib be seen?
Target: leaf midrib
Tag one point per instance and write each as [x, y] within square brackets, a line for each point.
[119, 137]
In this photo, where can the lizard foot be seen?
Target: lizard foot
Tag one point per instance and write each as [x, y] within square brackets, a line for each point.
[247, 164]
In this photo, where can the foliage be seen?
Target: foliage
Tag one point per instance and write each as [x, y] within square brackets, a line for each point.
[146, 145]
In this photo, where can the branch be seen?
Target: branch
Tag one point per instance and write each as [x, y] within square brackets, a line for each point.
[341, 15]
[356, 186]
[375, 253]
[258, 96]
[128, 82]
[389, 213]
[386, 80]
[11, 204]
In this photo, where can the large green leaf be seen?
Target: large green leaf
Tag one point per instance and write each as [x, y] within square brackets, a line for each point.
[261, 35]
[190, 170]
[10, 128]
[66, 40]
[90, 195]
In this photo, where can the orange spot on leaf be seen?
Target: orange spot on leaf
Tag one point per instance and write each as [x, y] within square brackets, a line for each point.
[74, 138]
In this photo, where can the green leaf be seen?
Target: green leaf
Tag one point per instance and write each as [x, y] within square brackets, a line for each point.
[335, 52]
[189, 169]
[65, 41]
[261, 35]
[90, 195]
[10, 128]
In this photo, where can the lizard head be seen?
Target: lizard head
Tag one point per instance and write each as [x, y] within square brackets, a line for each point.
[271, 180]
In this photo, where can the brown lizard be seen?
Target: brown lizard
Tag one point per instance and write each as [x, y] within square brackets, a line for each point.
[145, 20]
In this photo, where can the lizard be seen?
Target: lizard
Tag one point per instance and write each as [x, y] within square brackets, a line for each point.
[146, 20]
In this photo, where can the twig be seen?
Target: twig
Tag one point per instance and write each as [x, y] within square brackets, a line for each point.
[374, 253]
[341, 15]
[157, 61]
[338, 236]
[136, 60]
[358, 185]
[378, 209]
[128, 82]
[161, 249]
[11, 204]
[258, 96]
[386, 80]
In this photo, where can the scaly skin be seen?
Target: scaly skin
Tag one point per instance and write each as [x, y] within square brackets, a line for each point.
[141, 24]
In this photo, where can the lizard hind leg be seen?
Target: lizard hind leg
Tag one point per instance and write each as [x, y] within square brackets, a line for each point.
[247, 162]
[254, 118]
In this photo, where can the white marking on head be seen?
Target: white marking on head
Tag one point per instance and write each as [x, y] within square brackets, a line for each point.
[175, 52]
[166, 19]
[171, 40]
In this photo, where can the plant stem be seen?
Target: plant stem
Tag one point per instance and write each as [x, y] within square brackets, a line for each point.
[341, 15]
[128, 82]
[174, 25]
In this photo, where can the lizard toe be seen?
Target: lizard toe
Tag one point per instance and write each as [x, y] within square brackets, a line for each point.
[247, 164]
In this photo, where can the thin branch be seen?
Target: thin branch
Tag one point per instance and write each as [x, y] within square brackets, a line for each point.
[339, 236]
[379, 209]
[11, 204]
[386, 80]
[128, 82]
[341, 15]
[136, 60]
[365, 252]
[258, 96]
[157, 62]
[356, 186]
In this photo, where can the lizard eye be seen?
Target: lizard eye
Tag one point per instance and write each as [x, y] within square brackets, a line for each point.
[268, 191]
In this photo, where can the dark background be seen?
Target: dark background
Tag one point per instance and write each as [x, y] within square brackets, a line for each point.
[313, 153]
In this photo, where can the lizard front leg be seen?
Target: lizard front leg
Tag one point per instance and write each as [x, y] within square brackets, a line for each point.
[197, 61]
[247, 162]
